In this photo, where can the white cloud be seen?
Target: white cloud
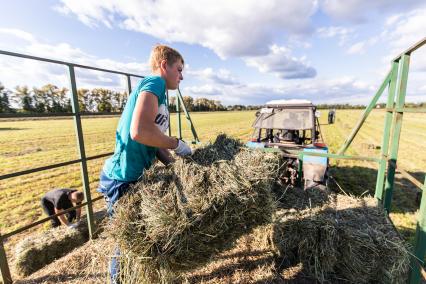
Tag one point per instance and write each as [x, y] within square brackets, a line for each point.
[18, 34]
[229, 28]
[335, 31]
[280, 62]
[222, 76]
[357, 48]
[340, 90]
[404, 30]
[362, 10]
[16, 71]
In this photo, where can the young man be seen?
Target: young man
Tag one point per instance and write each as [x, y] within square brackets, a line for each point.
[58, 200]
[140, 134]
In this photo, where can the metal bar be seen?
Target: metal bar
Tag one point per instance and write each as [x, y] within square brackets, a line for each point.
[6, 176]
[4, 266]
[61, 114]
[82, 152]
[380, 179]
[412, 48]
[364, 116]
[167, 104]
[420, 243]
[29, 226]
[129, 85]
[179, 123]
[410, 178]
[102, 113]
[188, 117]
[65, 63]
[31, 115]
[337, 156]
[397, 122]
[49, 167]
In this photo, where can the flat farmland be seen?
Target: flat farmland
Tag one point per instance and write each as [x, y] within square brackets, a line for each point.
[27, 144]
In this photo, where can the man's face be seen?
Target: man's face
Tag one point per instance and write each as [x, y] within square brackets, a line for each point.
[174, 75]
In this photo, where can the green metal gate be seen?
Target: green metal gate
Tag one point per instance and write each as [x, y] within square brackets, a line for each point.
[396, 82]
[77, 115]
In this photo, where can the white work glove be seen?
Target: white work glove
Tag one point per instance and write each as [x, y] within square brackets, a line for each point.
[182, 149]
[73, 226]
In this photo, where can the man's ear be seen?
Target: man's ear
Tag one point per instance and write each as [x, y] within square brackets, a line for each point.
[163, 64]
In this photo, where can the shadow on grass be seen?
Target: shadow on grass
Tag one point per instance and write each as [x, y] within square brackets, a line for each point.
[361, 181]
[11, 128]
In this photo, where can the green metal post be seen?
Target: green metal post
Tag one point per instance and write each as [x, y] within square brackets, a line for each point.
[397, 123]
[188, 117]
[420, 243]
[82, 152]
[364, 116]
[129, 85]
[167, 105]
[4, 267]
[179, 123]
[386, 133]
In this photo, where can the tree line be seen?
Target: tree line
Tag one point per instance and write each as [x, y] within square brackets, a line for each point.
[52, 99]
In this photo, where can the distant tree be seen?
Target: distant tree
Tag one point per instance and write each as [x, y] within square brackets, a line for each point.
[172, 104]
[4, 99]
[102, 98]
[118, 101]
[24, 98]
[189, 102]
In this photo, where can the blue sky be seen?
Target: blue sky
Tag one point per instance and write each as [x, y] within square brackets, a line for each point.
[238, 52]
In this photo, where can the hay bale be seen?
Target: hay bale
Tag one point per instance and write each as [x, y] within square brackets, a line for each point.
[370, 248]
[85, 264]
[308, 236]
[38, 250]
[178, 217]
[347, 238]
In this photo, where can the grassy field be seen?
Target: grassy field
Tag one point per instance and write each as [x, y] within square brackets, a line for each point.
[27, 144]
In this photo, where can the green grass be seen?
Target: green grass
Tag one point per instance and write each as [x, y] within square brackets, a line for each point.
[27, 144]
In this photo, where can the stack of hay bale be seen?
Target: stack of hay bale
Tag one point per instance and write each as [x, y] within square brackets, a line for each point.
[179, 216]
[38, 250]
[341, 237]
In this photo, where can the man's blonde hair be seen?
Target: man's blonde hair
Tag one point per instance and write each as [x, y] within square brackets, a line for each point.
[163, 52]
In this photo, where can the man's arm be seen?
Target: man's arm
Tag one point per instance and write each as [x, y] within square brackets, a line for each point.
[143, 128]
[164, 156]
[78, 213]
[62, 217]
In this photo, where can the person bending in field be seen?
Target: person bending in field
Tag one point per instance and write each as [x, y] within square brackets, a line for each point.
[140, 137]
[58, 200]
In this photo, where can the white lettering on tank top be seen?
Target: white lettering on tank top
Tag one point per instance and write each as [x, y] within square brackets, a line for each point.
[162, 118]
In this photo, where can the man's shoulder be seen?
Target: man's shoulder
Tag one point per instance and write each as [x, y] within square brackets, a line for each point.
[153, 84]
[58, 192]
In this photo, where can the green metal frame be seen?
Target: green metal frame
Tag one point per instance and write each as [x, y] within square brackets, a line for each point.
[396, 81]
[77, 115]
[187, 116]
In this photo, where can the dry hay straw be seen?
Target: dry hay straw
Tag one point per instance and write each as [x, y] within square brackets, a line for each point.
[38, 250]
[178, 217]
[251, 260]
[86, 264]
[344, 238]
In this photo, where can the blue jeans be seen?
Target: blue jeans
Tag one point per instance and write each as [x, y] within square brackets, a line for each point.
[113, 190]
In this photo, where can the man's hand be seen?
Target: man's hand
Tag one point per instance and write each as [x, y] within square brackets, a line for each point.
[182, 149]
